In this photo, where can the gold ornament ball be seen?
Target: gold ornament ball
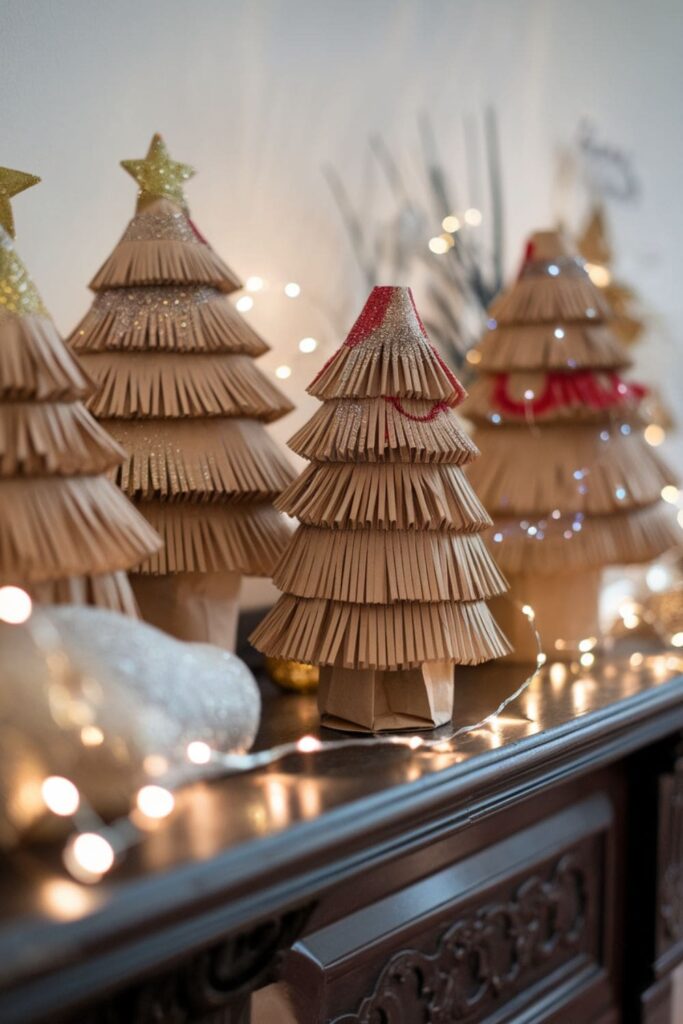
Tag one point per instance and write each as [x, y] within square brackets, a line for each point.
[295, 676]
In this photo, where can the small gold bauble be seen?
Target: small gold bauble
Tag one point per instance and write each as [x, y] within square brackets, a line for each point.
[296, 676]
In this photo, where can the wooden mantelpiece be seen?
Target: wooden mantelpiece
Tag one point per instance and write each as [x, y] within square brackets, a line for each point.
[503, 881]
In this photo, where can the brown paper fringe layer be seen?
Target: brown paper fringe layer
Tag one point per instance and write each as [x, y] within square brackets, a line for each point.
[629, 538]
[386, 497]
[365, 566]
[215, 538]
[164, 262]
[192, 319]
[364, 636]
[111, 590]
[52, 528]
[35, 363]
[411, 370]
[144, 385]
[199, 460]
[536, 347]
[531, 472]
[570, 296]
[374, 430]
[45, 439]
[480, 404]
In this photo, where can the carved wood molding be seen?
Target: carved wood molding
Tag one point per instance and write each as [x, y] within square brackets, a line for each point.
[670, 857]
[213, 987]
[487, 954]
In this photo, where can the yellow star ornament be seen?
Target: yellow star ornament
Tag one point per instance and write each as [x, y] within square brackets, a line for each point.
[158, 176]
[11, 184]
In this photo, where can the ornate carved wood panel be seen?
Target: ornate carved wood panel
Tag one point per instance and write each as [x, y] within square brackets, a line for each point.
[670, 863]
[212, 987]
[488, 954]
[520, 920]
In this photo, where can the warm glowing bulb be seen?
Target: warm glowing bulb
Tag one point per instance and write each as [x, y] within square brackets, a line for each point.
[198, 752]
[91, 736]
[244, 304]
[450, 223]
[599, 275]
[438, 245]
[292, 290]
[654, 435]
[15, 605]
[155, 801]
[529, 612]
[473, 356]
[670, 494]
[473, 217]
[529, 394]
[254, 284]
[308, 345]
[283, 372]
[89, 856]
[558, 673]
[657, 578]
[587, 644]
[677, 639]
[60, 796]
[587, 659]
[308, 744]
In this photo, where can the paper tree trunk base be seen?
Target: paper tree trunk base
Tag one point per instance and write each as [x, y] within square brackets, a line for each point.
[565, 608]
[374, 700]
[195, 606]
[109, 590]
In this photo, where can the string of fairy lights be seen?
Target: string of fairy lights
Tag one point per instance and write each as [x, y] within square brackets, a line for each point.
[94, 846]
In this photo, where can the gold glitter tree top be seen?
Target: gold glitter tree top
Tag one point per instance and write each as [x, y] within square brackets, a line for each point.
[18, 294]
[158, 176]
[11, 184]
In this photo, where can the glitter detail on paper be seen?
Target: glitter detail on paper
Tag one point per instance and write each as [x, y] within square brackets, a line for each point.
[158, 176]
[160, 227]
[18, 294]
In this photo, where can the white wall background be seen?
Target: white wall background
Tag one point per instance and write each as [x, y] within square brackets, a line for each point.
[259, 95]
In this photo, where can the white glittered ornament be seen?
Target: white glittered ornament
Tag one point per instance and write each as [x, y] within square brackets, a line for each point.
[187, 697]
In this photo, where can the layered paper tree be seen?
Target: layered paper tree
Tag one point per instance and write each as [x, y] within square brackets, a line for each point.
[67, 534]
[566, 474]
[386, 577]
[177, 386]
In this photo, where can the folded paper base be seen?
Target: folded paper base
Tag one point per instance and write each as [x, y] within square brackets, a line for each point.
[194, 606]
[109, 590]
[373, 700]
[565, 613]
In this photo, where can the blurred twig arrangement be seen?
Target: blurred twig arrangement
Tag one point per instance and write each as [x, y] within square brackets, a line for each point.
[458, 251]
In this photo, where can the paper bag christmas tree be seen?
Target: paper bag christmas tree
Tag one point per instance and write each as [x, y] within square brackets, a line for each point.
[67, 534]
[178, 387]
[386, 577]
[565, 471]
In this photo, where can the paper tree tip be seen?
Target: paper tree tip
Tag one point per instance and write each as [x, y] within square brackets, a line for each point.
[11, 184]
[548, 245]
[158, 176]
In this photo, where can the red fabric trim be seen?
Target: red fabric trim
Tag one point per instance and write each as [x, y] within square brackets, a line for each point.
[372, 315]
[563, 389]
[197, 232]
[435, 410]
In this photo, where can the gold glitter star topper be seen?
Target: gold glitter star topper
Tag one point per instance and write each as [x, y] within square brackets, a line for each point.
[11, 184]
[158, 176]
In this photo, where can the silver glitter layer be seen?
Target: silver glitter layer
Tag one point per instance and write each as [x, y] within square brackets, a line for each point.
[158, 227]
[127, 307]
